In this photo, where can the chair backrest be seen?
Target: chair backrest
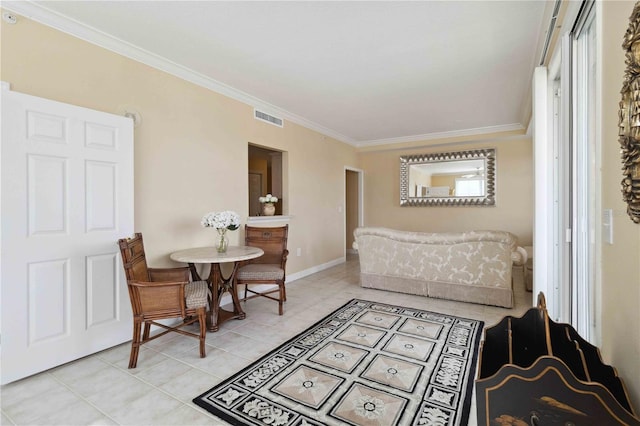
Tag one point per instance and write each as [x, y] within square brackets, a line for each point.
[272, 240]
[158, 301]
[133, 258]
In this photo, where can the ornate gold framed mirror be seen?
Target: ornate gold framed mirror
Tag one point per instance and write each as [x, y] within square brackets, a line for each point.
[463, 178]
[629, 118]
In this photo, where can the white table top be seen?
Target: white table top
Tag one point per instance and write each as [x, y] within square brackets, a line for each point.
[210, 254]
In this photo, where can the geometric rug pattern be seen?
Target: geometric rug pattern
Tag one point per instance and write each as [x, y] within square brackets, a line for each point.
[367, 363]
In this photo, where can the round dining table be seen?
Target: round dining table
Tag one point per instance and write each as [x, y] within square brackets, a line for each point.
[218, 284]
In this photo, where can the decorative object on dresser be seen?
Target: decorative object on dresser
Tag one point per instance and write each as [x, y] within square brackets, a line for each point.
[540, 372]
[366, 363]
[267, 269]
[629, 124]
[160, 293]
[473, 266]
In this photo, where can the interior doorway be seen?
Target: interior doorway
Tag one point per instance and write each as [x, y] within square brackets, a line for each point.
[353, 179]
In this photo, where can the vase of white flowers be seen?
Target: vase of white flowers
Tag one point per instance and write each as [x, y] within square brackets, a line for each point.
[222, 222]
[222, 242]
[268, 204]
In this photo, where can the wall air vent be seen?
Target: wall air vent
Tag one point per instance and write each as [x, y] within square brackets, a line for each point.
[263, 116]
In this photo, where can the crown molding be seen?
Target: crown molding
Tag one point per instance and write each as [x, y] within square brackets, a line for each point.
[40, 13]
[442, 135]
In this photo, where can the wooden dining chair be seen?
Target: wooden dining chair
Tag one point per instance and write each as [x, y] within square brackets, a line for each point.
[268, 268]
[160, 293]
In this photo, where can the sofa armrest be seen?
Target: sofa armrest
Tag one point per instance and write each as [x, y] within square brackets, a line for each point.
[519, 256]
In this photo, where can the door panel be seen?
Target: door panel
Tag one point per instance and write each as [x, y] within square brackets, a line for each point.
[101, 195]
[66, 198]
[102, 289]
[48, 308]
[47, 195]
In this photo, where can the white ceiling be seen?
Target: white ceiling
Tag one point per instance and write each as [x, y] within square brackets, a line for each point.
[363, 72]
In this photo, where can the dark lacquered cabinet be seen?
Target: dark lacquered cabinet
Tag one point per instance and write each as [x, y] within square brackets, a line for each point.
[534, 371]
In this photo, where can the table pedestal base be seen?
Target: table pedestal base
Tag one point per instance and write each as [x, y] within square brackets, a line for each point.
[218, 285]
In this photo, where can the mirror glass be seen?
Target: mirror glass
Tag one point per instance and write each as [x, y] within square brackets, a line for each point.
[450, 178]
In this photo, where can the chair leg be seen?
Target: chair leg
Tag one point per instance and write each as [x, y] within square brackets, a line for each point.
[281, 298]
[135, 343]
[284, 292]
[245, 292]
[202, 318]
[147, 329]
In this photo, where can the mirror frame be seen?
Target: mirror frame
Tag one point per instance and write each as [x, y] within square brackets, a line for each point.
[489, 199]
[628, 114]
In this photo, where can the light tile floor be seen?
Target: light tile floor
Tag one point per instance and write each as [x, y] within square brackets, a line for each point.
[100, 390]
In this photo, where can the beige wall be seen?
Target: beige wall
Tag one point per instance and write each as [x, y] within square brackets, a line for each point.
[620, 289]
[514, 192]
[442, 180]
[417, 177]
[191, 149]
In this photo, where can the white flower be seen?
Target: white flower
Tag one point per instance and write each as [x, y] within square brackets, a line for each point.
[221, 220]
[268, 199]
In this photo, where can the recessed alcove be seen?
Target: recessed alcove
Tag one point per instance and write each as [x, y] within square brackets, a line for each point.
[266, 170]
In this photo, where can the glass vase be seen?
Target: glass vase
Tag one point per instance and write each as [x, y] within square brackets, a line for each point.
[222, 242]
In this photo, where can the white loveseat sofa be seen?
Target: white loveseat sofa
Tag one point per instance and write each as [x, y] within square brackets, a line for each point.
[471, 266]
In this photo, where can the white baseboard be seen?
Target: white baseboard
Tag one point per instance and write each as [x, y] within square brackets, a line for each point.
[226, 299]
[314, 269]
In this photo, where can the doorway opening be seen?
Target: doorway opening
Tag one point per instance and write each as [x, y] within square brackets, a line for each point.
[353, 206]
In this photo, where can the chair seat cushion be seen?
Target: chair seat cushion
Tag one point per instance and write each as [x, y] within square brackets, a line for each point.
[260, 271]
[196, 294]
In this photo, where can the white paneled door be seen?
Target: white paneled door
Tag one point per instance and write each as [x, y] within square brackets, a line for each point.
[67, 196]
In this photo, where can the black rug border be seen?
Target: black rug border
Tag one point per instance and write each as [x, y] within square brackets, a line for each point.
[466, 405]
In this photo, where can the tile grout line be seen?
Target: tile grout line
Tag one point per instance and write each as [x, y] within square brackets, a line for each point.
[82, 398]
[140, 379]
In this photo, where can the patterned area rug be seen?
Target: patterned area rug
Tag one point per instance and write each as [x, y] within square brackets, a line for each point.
[367, 363]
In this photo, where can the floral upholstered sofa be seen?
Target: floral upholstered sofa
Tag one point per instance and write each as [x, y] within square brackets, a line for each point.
[471, 266]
